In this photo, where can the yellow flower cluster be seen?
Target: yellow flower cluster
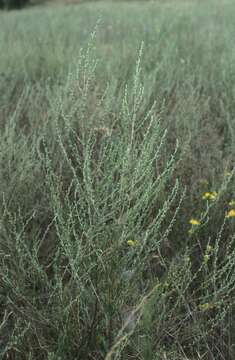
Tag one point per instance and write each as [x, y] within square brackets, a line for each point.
[206, 306]
[210, 195]
[131, 243]
[230, 213]
[194, 222]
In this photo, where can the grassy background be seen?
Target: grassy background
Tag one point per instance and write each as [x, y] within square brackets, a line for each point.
[105, 154]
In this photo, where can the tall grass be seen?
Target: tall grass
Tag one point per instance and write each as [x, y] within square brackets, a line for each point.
[105, 155]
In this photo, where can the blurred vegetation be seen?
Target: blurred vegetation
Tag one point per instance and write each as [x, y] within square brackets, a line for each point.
[117, 181]
[13, 4]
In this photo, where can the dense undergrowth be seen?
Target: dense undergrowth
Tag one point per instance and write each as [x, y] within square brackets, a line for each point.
[117, 186]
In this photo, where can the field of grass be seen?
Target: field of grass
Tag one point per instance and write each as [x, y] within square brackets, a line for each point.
[117, 198]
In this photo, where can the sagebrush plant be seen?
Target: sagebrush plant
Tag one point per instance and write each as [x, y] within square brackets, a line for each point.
[117, 225]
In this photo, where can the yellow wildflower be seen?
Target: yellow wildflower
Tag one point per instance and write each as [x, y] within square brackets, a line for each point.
[206, 195]
[210, 195]
[232, 203]
[230, 213]
[206, 306]
[131, 243]
[194, 222]
[227, 173]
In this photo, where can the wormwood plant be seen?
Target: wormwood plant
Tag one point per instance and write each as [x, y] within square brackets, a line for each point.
[89, 203]
[68, 288]
[112, 214]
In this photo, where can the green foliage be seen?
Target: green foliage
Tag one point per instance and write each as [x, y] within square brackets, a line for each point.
[104, 160]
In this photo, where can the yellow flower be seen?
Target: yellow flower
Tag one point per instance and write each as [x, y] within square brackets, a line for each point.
[206, 306]
[232, 203]
[210, 195]
[206, 195]
[131, 243]
[227, 173]
[230, 213]
[194, 222]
